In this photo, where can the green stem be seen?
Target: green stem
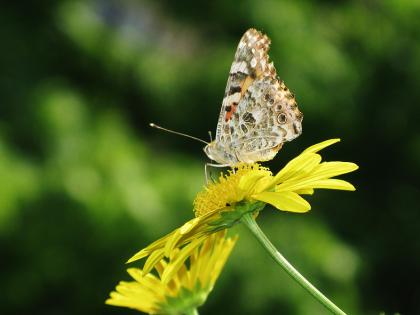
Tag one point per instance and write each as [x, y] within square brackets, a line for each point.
[250, 223]
[192, 312]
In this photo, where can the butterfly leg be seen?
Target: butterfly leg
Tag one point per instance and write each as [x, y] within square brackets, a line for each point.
[212, 165]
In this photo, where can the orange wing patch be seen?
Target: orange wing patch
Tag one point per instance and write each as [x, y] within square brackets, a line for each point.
[230, 110]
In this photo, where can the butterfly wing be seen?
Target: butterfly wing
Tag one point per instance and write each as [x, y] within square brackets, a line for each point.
[249, 63]
[267, 117]
[259, 113]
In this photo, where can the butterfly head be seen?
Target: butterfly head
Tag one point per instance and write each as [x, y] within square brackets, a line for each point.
[216, 153]
[210, 151]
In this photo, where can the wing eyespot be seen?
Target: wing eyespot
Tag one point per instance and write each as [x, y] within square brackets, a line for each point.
[281, 118]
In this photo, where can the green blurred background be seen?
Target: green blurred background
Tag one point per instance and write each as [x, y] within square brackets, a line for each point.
[84, 182]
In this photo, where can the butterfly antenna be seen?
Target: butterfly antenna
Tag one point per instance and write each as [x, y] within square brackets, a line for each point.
[211, 138]
[176, 132]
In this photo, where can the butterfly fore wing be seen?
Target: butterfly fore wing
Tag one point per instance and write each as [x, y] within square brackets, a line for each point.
[250, 62]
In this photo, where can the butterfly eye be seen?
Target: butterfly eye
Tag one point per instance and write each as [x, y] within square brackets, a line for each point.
[281, 118]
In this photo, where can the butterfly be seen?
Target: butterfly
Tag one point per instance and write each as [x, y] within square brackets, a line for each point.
[259, 113]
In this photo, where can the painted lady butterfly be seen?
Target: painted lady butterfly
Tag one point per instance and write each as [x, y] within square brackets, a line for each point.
[258, 113]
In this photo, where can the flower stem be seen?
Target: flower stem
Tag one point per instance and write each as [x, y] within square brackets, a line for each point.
[250, 223]
[192, 312]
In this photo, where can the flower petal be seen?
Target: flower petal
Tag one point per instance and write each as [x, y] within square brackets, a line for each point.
[305, 191]
[152, 260]
[173, 241]
[179, 260]
[262, 184]
[302, 164]
[324, 171]
[149, 281]
[332, 169]
[151, 248]
[333, 183]
[319, 146]
[286, 201]
[249, 180]
[188, 226]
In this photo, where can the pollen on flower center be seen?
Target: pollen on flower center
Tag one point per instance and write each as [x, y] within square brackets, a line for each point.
[225, 191]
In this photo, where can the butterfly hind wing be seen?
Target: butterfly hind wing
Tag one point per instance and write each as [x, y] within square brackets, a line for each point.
[268, 116]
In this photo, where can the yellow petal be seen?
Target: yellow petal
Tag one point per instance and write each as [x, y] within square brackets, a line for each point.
[177, 263]
[332, 169]
[286, 201]
[138, 255]
[188, 226]
[305, 191]
[333, 183]
[215, 261]
[152, 260]
[325, 170]
[249, 180]
[262, 184]
[152, 247]
[149, 281]
[304, 164]
[172, 242]
[319, 146]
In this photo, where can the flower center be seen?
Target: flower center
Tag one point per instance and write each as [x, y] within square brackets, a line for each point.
[225, 191]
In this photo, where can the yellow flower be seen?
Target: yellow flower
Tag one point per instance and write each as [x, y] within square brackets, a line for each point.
[176, 291]
[253, 182]
[247, 189]
[225, 191]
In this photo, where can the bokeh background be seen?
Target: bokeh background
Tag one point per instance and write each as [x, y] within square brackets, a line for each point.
[84, 182]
